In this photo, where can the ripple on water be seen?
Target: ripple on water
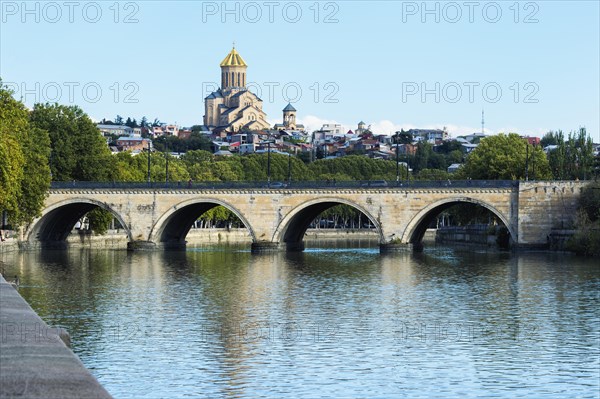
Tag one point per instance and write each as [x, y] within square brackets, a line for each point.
[343, 322]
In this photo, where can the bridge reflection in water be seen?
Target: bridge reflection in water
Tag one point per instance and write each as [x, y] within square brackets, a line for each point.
[160, 216]
[220, 322]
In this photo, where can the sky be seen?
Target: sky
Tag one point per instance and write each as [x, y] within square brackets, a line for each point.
[530, 66]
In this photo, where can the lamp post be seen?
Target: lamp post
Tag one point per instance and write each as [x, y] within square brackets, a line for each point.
[289, 168]
[533, 161]
[149, 142]
[527, 159]
[268, 143]
[397, 160]
[166, 164]
[407, 169]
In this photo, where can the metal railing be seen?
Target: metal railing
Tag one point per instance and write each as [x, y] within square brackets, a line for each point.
[249, 185]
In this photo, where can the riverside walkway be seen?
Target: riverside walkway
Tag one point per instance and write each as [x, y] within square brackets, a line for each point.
[34, 360]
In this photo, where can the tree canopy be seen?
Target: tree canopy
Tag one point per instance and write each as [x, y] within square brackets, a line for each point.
[505, 157]
[573, 158]
[79, 152]
[24, 171]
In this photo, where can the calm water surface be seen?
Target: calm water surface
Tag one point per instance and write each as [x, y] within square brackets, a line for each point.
[344, 322]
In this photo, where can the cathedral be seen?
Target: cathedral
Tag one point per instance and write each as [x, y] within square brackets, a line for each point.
[233, 107]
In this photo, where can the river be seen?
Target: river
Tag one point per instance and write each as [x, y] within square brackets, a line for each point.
[339, 321]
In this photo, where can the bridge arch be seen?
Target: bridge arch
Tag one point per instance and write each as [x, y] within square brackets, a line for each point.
[293, 226]
[52, 228]
[172, 226]
[415, 229]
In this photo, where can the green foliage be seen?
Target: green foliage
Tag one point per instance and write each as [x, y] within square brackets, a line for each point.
[574, 156]
[11, 160]
[356, 167]
[433, 174]
[196, 156]
[549, 138]
[196, 141]
[424, 152]
[405, 137]
[467, 213]
[586, 240]
[254, 167]
[36, 182]
[454, 156]
[426, 158]
[220, 216]
[24, 172]
[79, 152]
[130, 168]
[341, 215]
[505, 157]
[99, 220]
[341, 210]
[589, 201]
[158, 168]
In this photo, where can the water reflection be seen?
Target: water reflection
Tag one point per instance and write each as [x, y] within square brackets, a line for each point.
[221, 322]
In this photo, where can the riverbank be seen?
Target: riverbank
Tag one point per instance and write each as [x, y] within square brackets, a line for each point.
[116, 239]
[9, 244]
[34, 360]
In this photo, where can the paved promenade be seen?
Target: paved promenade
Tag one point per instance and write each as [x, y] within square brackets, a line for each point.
[34, 361]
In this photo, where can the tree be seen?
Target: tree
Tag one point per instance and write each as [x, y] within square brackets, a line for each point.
[196, 156]
[119, 120]
[79, 152]
[549, 138]
[586, 240]
[11, 166]
[35, 143]
[100, 220]
[505, 157]
[589, 201]
[433, 174]
[129, 168]
[24, 171]
[573, 158]
[158, 169]
[424, 152]
[355, 166]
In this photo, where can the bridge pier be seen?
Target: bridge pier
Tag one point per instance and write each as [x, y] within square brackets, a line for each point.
[60, 245]
[172, 245]
[141, 246]
[295, 246]
[265, 246]
[400, 247]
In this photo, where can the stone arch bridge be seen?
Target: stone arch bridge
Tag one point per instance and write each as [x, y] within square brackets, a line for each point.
[277, 218]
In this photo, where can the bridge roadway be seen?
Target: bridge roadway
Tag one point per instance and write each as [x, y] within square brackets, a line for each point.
[160, 216]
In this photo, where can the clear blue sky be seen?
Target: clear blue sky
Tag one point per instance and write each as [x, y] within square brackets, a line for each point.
[367, 60]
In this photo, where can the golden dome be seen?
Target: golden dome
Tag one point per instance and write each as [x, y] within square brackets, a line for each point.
[233, 59]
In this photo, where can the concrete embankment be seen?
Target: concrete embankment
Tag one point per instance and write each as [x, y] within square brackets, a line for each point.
[34, 360]
[9, 246]
[118, 239]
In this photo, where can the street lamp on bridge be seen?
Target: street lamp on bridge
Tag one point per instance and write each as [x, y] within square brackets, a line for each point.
[268, 143]
[397, 160]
